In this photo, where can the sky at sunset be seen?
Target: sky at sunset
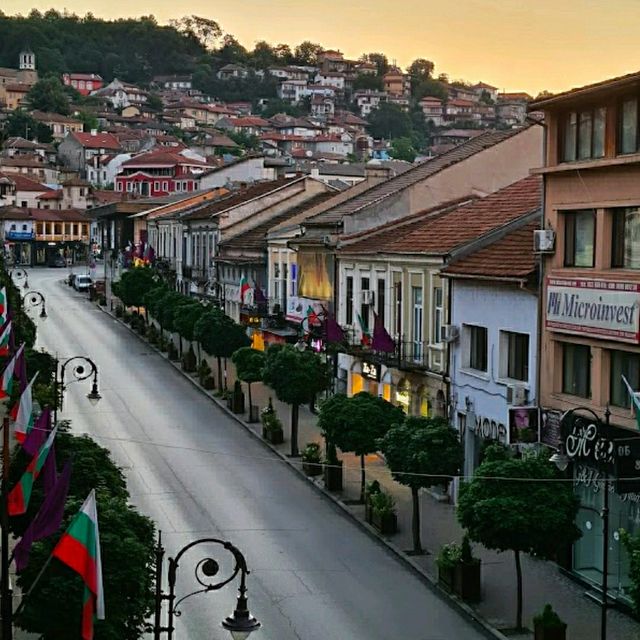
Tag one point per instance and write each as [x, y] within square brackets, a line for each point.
[514, 45]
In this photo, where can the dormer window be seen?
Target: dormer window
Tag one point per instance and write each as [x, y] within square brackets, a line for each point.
[583, 134]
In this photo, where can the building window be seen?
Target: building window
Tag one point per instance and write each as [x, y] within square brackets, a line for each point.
[416, 329]
[156, 186]
[57, 228]
[477, 348]
[438, 314]
[576, 370]
[397, 292]
[380, 297]
[579, 238]
[349, 301]
[516, 362]
[583, 134]
[364, 308]
[625, 251]
[628, 129]
[165, 186]
[627, 364]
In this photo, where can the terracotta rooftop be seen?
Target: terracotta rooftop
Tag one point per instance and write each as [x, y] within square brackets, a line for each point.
[236, 198]
[23, 183]
[256, 238]
[510, 257]
[46, 215]
[42, 116]
[440, 231]
[162, 157]
[379, 192]
[97, 141]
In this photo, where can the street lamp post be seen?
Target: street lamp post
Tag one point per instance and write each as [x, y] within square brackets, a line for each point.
[561, 460]
[35, 299]
[82, 369]
[20, 274]
[240, 623]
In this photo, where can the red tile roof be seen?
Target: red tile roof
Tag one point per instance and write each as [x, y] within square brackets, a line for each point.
[441, 231]
[97, 141]
[510, 257]
[45, 215]
[162, 157]
[25, 184]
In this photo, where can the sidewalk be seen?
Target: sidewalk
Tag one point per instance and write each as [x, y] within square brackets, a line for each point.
[542, 582]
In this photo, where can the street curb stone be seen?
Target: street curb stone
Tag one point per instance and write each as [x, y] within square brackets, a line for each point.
[457, 603]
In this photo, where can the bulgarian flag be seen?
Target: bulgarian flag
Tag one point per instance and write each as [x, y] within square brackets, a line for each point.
[635, 400]
[79, 549]
[6, 383]
[22, 413]
[20, 494]
[312, 316]
[4, 340]
[244, 287]
[366, 336]
[4, 307]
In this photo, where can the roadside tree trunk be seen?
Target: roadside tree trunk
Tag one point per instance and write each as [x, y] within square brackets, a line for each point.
[362, 478]
[294, 430]
[220, 387]
[519, 582]
[249, 396]
[415, 522]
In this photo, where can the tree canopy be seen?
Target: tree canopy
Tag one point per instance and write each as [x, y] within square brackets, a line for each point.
[48, 95]
[389, 121]
[249, 364]
[134, 285]
[402, 149]
[505, 514]
[219, 335]
[22, 124]
[186, 315]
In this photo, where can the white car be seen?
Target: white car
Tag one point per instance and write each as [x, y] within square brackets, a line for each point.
[82, 282]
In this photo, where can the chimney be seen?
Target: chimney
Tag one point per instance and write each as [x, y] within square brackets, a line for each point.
[375, 172]
[94, 132]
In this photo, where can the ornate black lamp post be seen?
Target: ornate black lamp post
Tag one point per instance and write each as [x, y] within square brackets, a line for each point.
[35, 299]
[20, 274]
[586, 425]
[83, 368]
[240, 624]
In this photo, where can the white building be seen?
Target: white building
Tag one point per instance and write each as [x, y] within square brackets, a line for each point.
[492, 336]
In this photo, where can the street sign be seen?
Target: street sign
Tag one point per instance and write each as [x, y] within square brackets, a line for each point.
[628, 465]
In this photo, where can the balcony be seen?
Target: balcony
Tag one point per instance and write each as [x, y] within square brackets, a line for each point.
[408, 355]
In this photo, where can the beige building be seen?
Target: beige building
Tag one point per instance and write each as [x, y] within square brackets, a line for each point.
[591, 297]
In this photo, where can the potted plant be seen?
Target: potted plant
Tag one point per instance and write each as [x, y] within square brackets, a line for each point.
[447, 561]
[237, 398]
[547, 625]
[311, 459]
[271, 426]
[459, 570]
[119, 311]
[204, 375]
[152, 334]
[172, 352]
[189, 361]
[383, 513]
[371, 489]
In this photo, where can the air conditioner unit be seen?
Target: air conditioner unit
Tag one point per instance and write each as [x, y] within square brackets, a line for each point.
[544, 241]
[516, 395]
[450, 333]
[367, 297]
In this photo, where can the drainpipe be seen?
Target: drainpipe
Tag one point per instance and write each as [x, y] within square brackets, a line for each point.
[447, 377]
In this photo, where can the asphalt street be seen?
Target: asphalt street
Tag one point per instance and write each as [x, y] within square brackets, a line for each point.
[196, 472]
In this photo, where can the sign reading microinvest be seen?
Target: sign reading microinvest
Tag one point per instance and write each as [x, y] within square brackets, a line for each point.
[597, 308]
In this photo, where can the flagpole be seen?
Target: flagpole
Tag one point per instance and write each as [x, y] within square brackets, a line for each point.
[33, 585]
[6, 604]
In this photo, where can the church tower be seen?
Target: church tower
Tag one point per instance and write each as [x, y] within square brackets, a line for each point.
[27, 73]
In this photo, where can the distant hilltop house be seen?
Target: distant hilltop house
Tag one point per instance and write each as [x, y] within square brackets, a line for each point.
[121, 94]
[174, 82]
[83, 83]
[16, 83]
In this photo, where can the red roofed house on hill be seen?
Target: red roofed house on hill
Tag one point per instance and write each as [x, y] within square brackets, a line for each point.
[83, 83]
[158, 173]
[77, 150]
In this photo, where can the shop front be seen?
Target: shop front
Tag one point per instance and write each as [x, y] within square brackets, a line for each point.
[592, 447]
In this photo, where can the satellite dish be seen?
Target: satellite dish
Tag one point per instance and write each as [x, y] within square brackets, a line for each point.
[308, 153]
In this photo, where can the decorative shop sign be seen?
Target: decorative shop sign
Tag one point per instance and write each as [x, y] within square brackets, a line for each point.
[604, 449]
[489, 429]
[20, 235]
[371, 371]
[523, 424]
[596, 308]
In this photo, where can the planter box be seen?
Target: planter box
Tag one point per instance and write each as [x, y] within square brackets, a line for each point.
[386, 523]
[274, 436]
[549, 633]
[463, 580]
[312, 468]
[333, 477]
[237, 403]
[254, 412]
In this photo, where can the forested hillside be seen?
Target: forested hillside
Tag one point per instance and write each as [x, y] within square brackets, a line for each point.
[133, 50]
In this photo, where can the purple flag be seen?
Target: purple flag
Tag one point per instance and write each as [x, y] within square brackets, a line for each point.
[49, 472]
[333, 329]
[382, 341]
[258, 296]
[38, 434]
[47, 520]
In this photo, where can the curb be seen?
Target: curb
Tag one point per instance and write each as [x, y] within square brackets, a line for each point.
[455, 602]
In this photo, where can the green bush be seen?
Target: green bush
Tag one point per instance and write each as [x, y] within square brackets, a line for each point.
[172, 352]
[119, 311]
[382, 503]
[102, 301]
[189, 361]
[549, 619]
[311, 453]
[152, 334]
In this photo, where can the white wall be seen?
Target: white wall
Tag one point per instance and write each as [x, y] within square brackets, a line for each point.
[499, 308]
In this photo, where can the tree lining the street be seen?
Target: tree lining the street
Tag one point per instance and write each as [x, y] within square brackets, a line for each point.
[421, 453]
[133, 286]
[506, 515]
[249, 364]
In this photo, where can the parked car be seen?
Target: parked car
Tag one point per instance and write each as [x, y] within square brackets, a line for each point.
[57, 261]
[82, 282]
